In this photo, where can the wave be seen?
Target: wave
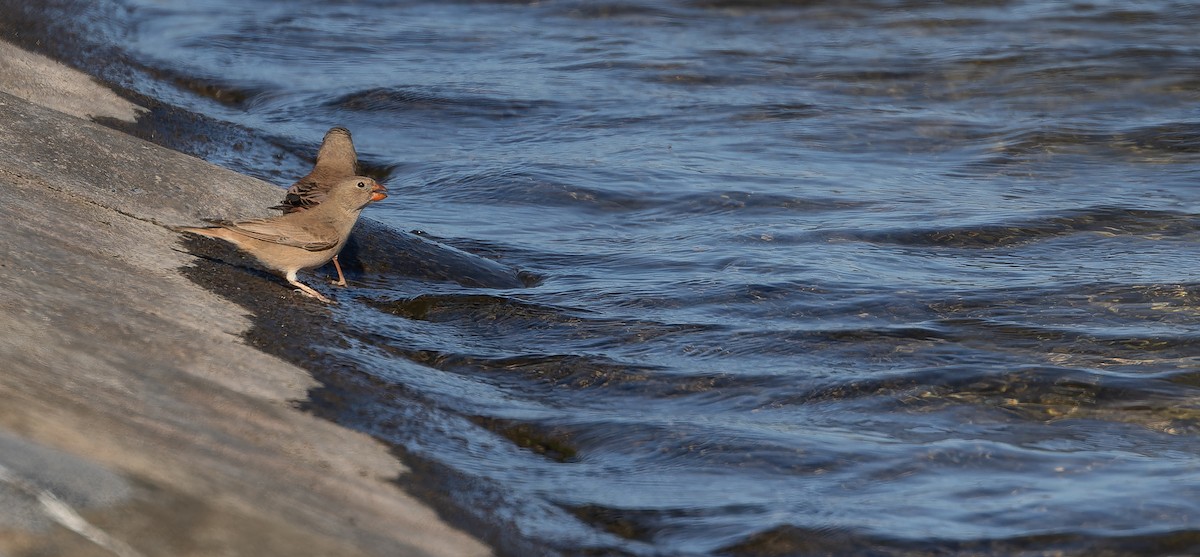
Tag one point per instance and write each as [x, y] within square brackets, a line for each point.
[401, 100]
[788, 540]
[1108, 220]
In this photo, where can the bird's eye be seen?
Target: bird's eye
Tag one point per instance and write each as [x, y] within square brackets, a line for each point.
[362, 184]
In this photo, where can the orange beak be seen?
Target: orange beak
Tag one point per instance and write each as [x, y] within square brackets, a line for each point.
[378, 192]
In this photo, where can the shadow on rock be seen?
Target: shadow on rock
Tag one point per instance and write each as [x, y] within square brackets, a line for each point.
[300, 330]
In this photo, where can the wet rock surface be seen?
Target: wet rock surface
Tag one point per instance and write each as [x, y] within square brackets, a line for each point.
[118, 366]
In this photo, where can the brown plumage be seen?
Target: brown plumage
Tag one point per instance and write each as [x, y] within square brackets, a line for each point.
[336, 159]
[304, 239]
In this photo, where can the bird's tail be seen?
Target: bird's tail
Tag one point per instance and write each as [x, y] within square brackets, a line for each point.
[210, 231]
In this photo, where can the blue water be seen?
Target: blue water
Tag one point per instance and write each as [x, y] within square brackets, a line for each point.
[845, 278]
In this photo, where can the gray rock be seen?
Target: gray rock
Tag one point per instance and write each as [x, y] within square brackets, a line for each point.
[35, 470]
[126, 390]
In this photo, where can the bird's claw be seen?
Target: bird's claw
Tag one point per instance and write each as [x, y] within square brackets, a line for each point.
[314, 294]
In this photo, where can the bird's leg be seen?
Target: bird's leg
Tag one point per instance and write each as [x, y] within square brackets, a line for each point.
[341, 281]
[304, 288]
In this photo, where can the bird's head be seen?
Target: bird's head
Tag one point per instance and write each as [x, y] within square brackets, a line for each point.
[356, 192]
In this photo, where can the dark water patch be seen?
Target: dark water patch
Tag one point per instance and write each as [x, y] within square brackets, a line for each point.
[399, 100]
[610, 121]
[1172, 137]
[1010, 335]
[626, 524]
[1106, 297]
[753, 202]
[794, 541]
[1118, 329]
[1091, 14]
[744, 71]
[646, 525]
[450, 307]
[559, 377]
[860, 336]
[1107, 220]
[945, 24]
[497, 316]
[890, 76]
[785, 300]
[547, 441]
[696, 446]
[1152, 57]
[1077, 80]
[526, 188]
[857, 348]
[693, 78]
[550, 371]
[1159, 303]
[1185, 378]
[781, 112]
[623, 11]
[1036, 145]
[229, 94]
[777, 4]
[494, 252]
[631, 66]
[1047, 394]
[377, 249]
[544, 188]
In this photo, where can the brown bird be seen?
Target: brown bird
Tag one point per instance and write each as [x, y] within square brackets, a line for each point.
[304, 239]
[336, 160]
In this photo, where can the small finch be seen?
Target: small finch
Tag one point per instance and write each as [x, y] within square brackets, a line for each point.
[304, 239]
[336, 159]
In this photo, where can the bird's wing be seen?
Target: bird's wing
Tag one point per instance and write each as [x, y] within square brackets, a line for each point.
[304, 194]
[307, 233]
[336, 159]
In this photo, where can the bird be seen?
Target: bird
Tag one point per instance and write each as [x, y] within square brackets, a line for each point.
[336, 159]
[307, 239]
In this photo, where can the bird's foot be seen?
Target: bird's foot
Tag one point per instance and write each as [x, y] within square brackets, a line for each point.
[308, 291]
[315, 294]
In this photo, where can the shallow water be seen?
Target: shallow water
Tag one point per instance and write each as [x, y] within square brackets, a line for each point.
[879, 278]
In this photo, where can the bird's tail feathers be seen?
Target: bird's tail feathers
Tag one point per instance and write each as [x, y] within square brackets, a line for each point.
[210, 231]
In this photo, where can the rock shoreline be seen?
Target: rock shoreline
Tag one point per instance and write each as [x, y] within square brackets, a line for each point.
[117, 368]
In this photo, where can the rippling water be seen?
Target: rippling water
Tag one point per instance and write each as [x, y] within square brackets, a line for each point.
[871, 277]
